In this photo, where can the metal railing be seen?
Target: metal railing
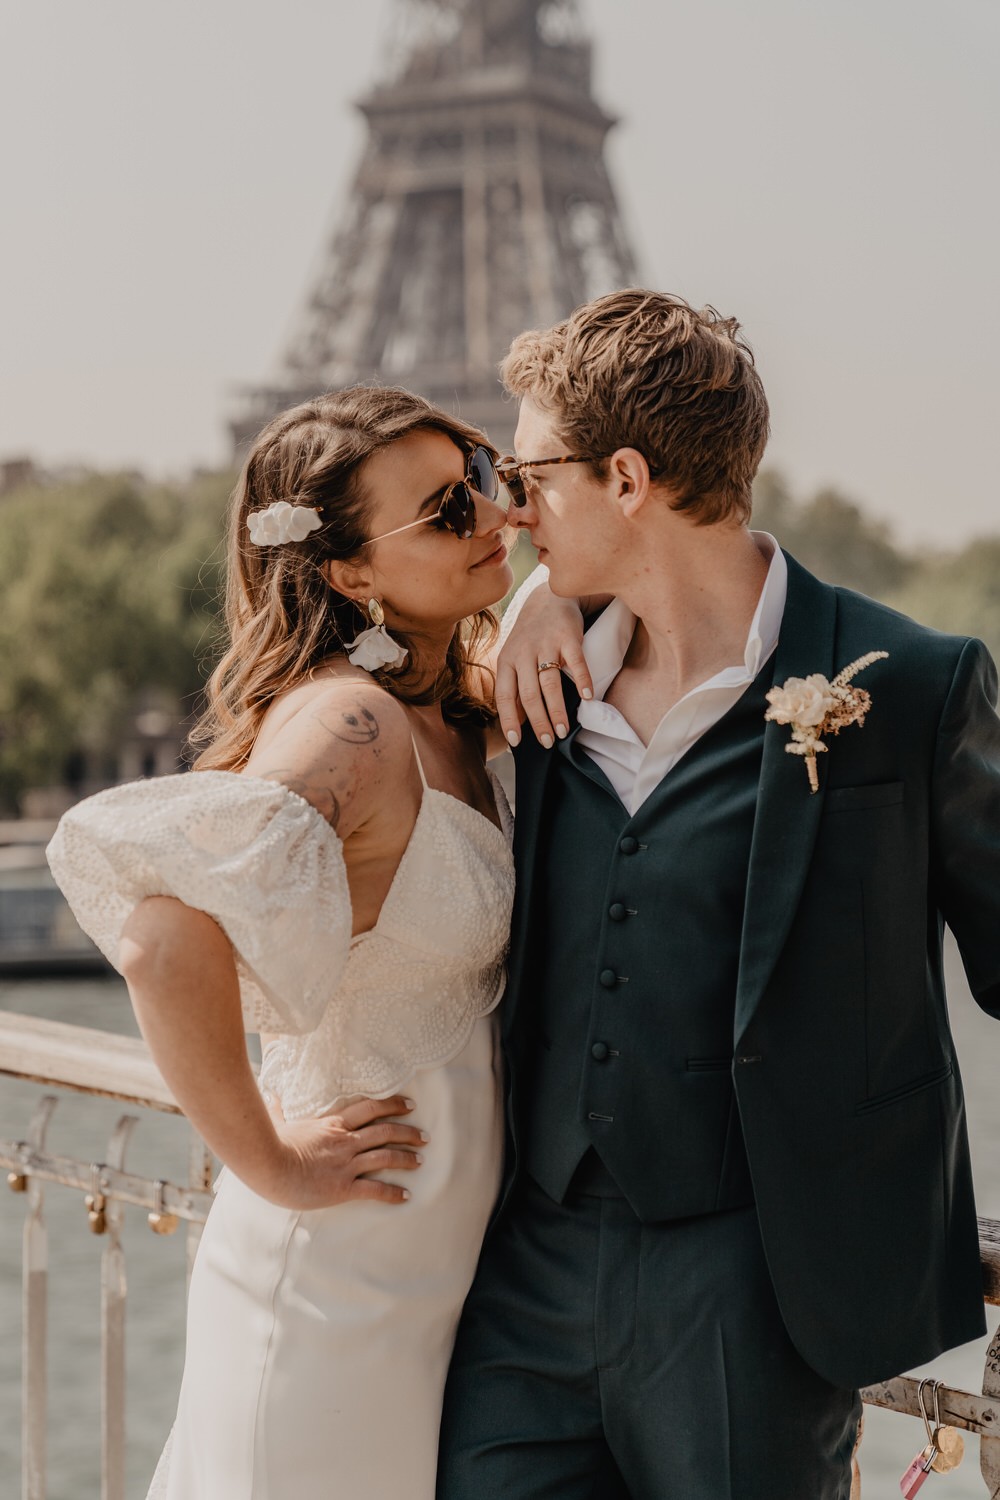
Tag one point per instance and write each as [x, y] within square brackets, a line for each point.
[114, 1067]
[111, 1067]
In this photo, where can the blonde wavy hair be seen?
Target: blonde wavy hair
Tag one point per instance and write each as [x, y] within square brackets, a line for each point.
[646, 370]
[283, 618]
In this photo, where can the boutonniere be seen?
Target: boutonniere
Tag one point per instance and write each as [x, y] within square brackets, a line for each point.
[814, 707]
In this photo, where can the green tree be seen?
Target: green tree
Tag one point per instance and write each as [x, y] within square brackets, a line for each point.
[955, 592]
[832, 537]
[108, 587]
[958, 593]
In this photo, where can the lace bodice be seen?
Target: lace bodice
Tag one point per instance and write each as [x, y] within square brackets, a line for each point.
[353, 1016]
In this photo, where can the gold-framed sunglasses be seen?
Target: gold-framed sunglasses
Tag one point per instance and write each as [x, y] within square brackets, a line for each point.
[457, 510]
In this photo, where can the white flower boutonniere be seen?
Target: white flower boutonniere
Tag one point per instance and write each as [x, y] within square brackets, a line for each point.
[814, 707]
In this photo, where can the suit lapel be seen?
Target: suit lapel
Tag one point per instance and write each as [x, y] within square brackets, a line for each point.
[788, 814]
[533, 767]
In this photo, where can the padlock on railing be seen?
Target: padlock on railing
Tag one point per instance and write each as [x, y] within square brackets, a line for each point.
[95, 1202]
[159, 1220]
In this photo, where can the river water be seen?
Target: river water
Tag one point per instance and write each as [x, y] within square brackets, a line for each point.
[156, 1269]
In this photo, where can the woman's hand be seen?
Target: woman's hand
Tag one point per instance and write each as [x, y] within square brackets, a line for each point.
[545, 640]
[326, 1161]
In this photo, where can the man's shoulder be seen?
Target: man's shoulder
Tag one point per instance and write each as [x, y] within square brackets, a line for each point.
[858, 611]
[865, 624]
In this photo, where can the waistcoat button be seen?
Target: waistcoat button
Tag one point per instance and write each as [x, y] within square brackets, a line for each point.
[617, 912]
[629, 845]
[599, 1051]
[608, 979]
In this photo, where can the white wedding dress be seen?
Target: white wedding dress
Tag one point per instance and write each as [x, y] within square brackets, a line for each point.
[318, 1342]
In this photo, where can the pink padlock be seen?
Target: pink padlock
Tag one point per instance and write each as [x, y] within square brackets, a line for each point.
[917, 1472]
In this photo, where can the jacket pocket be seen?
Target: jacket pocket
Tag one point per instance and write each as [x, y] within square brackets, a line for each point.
[918, 1085]
[708, 1064]
[849, 798]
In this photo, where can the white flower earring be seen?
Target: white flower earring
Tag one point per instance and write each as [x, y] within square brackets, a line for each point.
[375, 647]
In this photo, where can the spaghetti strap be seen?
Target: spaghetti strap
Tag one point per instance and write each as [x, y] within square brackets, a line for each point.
[420, 764]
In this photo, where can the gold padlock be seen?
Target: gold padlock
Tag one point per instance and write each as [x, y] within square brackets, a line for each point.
[95, 1202]
[96, 1217]
[159, 1220]
[949, 1444]
[17, 1182]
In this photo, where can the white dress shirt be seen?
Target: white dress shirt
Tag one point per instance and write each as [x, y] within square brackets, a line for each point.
[635, 769]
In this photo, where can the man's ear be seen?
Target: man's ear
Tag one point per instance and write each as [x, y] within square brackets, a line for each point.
[629, 473]
[351, 579]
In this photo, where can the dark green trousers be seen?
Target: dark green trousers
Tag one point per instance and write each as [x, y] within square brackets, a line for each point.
[602, 1359]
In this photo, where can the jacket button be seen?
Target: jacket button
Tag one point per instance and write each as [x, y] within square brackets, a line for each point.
[599, 1051]
[617, 912]
[608, 979]
[628, 844]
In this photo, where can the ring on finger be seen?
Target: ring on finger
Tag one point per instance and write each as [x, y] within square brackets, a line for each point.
[544, 666]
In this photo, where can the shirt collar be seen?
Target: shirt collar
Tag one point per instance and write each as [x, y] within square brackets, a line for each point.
[766, 623]
[606, 642]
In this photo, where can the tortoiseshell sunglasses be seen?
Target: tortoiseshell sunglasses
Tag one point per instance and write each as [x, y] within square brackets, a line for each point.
[509, 471]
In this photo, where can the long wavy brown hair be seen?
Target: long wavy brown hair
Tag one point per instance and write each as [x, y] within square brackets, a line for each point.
[282, 616]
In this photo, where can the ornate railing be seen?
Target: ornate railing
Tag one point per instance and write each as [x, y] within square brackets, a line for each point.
[110, 1067]
[114, 1067]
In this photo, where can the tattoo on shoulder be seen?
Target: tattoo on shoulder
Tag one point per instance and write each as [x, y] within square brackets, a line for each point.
[355, 726]
[322, 798]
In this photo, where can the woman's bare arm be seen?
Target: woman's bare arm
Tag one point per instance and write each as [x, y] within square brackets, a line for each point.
[181, 975]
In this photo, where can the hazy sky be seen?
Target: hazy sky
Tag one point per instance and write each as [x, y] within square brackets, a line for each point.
[824, 169]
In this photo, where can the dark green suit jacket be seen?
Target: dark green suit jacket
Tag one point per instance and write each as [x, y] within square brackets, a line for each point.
[846, 1076]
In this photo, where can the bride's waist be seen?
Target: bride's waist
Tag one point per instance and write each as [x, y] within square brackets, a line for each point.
[311, 1077]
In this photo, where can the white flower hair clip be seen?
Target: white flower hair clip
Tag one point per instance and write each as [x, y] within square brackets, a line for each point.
[814, 707]
[282, 522]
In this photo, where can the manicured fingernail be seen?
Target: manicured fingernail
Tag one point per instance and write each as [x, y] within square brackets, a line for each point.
[417, 1157]
[410, 1103]
[561, 731]
[587, 693]
[424, 1136]
[547, 741]
[406, 1194]
[513, 738]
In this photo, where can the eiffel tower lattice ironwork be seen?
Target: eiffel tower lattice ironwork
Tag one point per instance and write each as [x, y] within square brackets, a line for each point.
[481, 206]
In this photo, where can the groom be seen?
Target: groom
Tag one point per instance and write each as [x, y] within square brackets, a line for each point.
[738, 1185]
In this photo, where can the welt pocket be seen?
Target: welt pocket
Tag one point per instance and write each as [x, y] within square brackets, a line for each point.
[708, 1064]
[848, 798]
[906, 1090]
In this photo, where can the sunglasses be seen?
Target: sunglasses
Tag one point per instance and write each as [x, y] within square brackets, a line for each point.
[457, 510]
[509, 470]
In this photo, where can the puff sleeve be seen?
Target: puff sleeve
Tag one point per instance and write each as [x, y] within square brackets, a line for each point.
[251, 854]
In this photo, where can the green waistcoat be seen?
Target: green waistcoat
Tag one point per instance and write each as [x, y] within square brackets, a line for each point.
[635, 987]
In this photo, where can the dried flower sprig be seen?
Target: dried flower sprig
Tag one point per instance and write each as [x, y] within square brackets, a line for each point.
[813, 706]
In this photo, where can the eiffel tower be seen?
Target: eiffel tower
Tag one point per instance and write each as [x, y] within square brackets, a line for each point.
[481, 206]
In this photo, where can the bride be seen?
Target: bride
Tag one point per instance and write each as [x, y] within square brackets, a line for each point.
[336, 875]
